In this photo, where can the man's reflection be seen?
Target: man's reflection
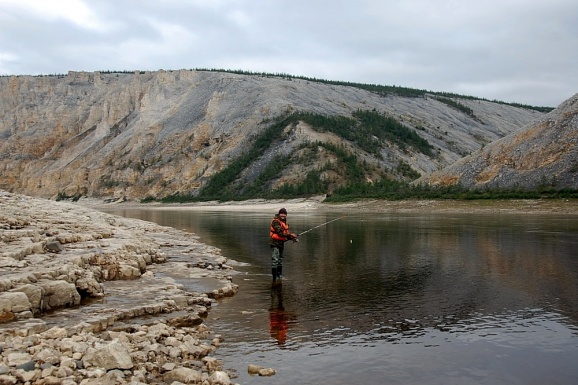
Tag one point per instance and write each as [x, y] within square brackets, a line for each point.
[278, 317]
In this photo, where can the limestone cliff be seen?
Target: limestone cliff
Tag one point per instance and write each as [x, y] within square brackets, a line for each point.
[157, 133]
[542, 154]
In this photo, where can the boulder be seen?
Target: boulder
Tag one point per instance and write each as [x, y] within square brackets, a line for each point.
[53, 247]
[34, 294]
[219, 378]
[111, 356]
[184, 375]
[12, 303]
[58, 294]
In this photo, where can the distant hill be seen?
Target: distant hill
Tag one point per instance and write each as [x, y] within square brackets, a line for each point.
[213, 134]
[544, 153]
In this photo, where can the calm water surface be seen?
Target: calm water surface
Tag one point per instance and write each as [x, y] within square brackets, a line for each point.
[397, 298]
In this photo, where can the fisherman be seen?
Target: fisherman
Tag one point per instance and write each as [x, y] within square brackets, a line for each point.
[279, 234]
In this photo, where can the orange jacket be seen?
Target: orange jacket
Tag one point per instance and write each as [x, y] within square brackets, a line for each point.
[274, 233]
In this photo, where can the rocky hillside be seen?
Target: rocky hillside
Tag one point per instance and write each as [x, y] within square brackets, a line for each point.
[156, 134]
[542, 154]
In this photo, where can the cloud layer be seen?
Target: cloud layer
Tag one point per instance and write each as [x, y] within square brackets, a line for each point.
[521, 51]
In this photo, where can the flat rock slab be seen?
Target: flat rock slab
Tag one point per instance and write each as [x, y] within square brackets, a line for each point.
[105, 268]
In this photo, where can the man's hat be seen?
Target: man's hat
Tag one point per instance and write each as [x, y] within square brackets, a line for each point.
[283, 211]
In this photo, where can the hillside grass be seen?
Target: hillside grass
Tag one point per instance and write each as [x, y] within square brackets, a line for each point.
[368, 130]
[393, 190]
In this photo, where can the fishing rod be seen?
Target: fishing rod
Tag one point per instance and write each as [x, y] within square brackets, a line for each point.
[323, 224]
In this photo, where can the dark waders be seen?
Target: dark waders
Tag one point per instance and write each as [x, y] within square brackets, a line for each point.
[276, 263]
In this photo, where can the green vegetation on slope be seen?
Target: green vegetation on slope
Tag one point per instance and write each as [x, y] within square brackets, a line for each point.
[368, 130]
[394, 190]
[458, 106]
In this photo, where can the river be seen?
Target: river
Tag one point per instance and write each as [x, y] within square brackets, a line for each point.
[396, 298]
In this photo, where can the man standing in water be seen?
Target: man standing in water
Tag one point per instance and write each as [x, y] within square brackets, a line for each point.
[279, 234]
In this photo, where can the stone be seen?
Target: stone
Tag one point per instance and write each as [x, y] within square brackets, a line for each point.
[189, 320]
[54, 247]
[91, 341]
[11, 300]
[168, 366]
[27, 375]
[18, 358]
[52, 380]
[54, 333]
[219, 378]
[181, 374]
[212, 364]
[254, 369]
[59, 294]
[27, 366]
[111, 356]
[261, 371]
[49, 356]
[266, 372]
[8, 380]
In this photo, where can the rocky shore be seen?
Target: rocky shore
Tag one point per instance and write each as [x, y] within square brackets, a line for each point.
[91, 298]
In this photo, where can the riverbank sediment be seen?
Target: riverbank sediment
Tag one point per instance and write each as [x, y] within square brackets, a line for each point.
[514, 206]
[91, 298]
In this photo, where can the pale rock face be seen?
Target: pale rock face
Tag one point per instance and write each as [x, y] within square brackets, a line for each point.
[541, 154]
[134, 135]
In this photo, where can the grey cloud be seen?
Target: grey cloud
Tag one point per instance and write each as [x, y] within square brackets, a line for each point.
[495, 49]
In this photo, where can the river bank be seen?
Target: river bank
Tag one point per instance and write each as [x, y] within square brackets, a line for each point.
[517, 206]
[91, 298]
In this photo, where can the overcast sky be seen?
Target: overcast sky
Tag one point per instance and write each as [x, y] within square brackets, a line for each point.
[523, 51]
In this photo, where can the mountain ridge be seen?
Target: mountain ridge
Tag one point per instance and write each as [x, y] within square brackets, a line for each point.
[542, 154]
[161, 133]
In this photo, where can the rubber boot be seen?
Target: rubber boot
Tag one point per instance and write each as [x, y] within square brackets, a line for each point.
[274, 273]
[279, 272]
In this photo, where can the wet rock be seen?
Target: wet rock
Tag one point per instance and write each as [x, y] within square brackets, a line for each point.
[189, 320]
[267, 372]
[219, 378]
[212, 364]
[253, 369]
[260, 370]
